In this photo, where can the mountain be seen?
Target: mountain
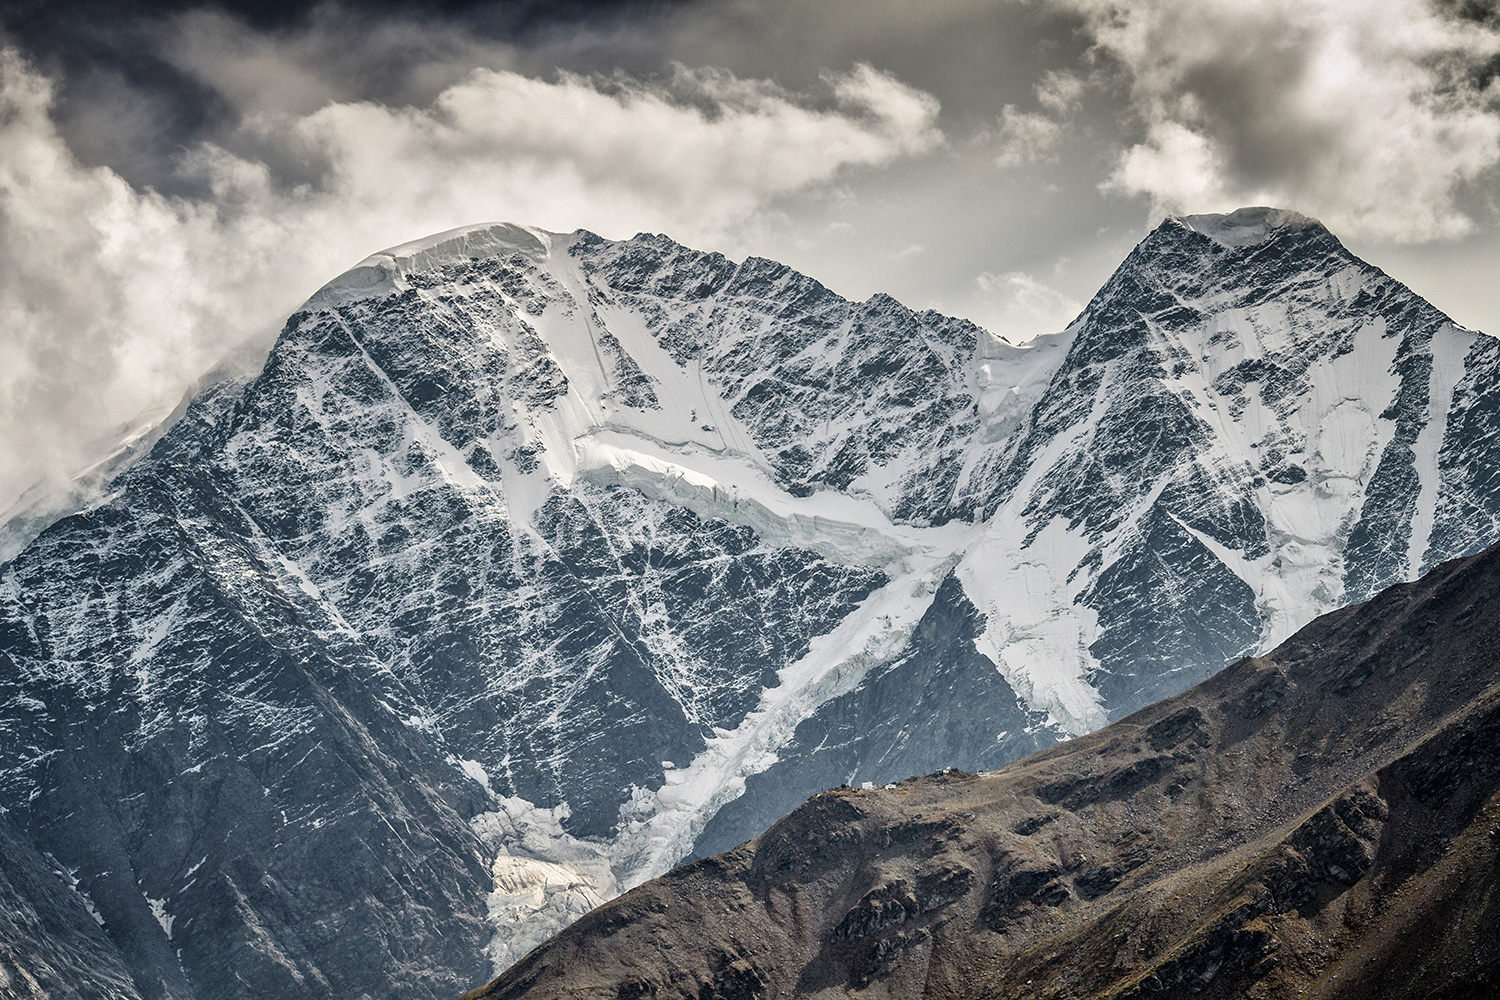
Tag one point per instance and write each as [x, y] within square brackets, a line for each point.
[1323, 821]
[529, 565]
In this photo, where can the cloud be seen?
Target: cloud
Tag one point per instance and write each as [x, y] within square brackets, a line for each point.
[1025, 137]
[114, 298]
[1379, 117]
[1060, 92]
[694, 156]
[1179, 167]
[1018, 306]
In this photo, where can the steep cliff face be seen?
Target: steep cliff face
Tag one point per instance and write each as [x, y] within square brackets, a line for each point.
[1247, 413]
[1322, 821]
[531, 564]
[51, 942]
[1250, 426]
[219, 763]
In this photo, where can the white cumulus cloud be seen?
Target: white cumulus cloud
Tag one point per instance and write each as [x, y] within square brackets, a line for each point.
[1374, 116]
[1025, 137]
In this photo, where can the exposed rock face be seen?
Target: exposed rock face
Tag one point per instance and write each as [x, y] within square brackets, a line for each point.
[1323, 821]
[51, 944]
[525, 547]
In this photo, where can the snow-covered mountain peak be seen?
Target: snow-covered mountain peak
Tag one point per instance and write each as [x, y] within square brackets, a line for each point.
[1253, 284]
[1246, 226]
[384, 273]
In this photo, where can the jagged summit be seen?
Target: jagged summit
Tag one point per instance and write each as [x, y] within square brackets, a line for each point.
[385, 272]
[1246, 226]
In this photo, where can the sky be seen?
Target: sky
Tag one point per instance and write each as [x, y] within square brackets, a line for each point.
[176, 177]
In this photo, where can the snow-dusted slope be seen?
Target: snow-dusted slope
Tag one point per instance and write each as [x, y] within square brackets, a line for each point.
[1251, 428]
[531, 564]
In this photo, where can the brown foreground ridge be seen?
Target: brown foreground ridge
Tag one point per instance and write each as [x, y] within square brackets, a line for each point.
[1322, 821]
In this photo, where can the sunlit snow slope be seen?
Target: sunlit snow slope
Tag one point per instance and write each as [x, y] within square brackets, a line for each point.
[531, 564]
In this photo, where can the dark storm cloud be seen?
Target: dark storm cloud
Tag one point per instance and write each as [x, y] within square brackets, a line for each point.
[125, 98]
[57, 25]
[139, 81]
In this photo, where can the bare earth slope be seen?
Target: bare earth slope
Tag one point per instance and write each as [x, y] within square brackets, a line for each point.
[1323, 821]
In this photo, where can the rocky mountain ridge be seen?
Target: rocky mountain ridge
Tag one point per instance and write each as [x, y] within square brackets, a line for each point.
[529, 565]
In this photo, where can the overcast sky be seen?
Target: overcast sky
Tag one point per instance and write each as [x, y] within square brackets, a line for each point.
[176, 177]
